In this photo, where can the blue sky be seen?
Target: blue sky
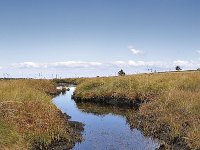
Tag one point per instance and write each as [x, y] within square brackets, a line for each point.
[92, 37]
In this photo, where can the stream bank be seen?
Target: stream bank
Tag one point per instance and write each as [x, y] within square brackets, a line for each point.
[106, 127]
[169, 105]
[135, 119]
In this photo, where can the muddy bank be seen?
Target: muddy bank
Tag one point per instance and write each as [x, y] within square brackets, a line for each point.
[150, 127]
[75, 130]
[113, 100]
[66, 144]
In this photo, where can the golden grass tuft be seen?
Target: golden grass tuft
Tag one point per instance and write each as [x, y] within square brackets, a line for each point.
[27, 115]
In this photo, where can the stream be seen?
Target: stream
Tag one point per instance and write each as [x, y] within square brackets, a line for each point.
[105, 126]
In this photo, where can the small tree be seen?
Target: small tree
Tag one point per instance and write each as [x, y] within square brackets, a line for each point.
[121, 73]
[178, 68]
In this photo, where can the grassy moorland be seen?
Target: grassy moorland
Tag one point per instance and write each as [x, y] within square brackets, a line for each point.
[73, 81]
[28, 118]
[170, 108]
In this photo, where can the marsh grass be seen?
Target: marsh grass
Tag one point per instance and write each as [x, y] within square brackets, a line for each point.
[171, 108]
[28, 118]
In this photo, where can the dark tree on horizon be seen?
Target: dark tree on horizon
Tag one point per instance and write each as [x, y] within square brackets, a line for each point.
[178, 68]
[121, 73]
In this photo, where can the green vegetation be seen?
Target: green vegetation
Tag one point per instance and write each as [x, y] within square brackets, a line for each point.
[28, 118]
[171, 103]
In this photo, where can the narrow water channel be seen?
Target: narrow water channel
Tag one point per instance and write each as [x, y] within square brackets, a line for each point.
[105, 127]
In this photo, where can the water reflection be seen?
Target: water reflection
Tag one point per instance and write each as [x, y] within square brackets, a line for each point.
[102, 110]
[105, 126]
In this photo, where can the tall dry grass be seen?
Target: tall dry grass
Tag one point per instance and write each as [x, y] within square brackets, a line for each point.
[172, 102]
[27, 116]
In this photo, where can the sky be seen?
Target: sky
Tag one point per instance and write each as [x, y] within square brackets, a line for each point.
[76, 38]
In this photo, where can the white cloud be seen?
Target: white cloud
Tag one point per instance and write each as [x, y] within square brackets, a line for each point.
[88, 65]
[29, 65]
[135, 51]
[1, 67]
[77, 64]
[198, 51]
[119, 63]
[165, 65]
[67, 64]
[136, 63]
[187, 64]
[132, 63]
[184, 63]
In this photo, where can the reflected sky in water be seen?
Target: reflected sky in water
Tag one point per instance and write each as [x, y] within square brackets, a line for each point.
[108, 131]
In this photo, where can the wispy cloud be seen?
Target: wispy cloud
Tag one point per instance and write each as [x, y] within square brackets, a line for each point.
[183, 63]
[82, 64]
[135, 51]
[133, 63]
[119, 63]
[92, 68]
[198, 51]
[29, 65]
[67, 64]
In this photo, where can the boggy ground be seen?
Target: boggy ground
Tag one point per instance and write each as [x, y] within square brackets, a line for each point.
[29, 120]
[169, 104]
